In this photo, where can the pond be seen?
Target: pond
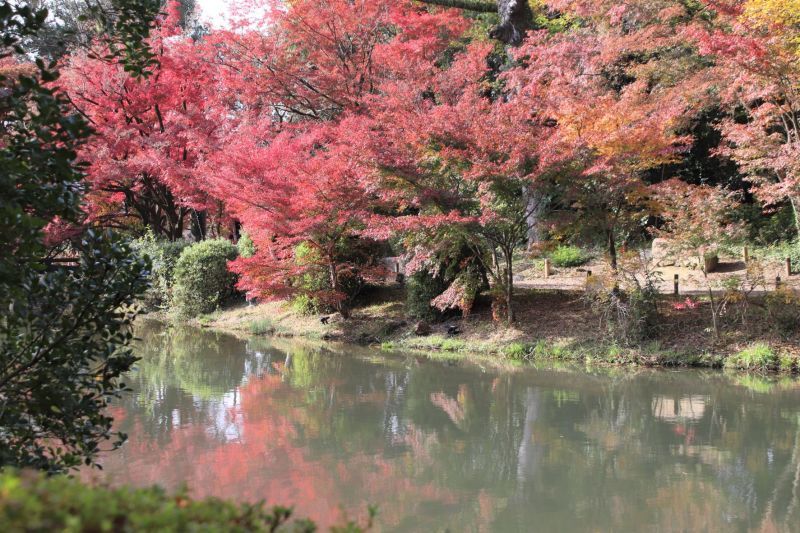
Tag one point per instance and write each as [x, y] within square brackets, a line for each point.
[440, 445]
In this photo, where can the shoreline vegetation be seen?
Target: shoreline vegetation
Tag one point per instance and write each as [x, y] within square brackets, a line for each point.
[305, 150]
[551, 326]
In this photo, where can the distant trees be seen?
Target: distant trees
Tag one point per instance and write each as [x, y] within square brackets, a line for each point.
[757, 54]
[152, 133]
[327, 125]
[292, 172]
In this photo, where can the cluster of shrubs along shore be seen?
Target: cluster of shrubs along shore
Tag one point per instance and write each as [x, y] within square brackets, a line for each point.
[193, 279]
[30, 501]
[188, 278]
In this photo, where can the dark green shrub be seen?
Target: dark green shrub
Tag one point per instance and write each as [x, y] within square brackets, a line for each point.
[766, 229]
[31, 502]
[568, 256]
[421, 288]
[63, 348]
[63, 328]
[202, 281]
[163, 256]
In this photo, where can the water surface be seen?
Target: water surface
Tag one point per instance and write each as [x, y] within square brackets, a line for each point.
[441, 446]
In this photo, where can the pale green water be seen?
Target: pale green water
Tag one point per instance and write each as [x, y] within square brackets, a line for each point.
[441, 446]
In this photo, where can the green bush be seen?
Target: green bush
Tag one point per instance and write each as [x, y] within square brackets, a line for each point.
[202, 281]
[246, 246]
[766, 229]
[421, 288]
[314, 279]
[32, 502]
[788, 363]
[757, 357]
[568, 256]
[303, 304]
[163, 256]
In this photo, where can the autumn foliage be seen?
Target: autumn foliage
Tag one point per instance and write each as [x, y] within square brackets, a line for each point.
[328, 124]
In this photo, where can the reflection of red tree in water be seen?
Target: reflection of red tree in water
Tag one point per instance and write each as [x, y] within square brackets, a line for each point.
[260, 458]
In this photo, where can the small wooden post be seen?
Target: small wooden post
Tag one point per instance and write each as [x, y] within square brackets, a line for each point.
[746, 254]
[788, 268]
[546, 268]
[675, 285]
[777, 281]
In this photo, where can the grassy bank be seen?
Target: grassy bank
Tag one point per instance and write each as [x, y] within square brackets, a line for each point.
[550, 326]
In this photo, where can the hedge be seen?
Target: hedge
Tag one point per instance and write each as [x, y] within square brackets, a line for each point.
[34, 502]
[202, 281]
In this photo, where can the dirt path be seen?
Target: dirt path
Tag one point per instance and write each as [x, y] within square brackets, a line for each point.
[690, 281]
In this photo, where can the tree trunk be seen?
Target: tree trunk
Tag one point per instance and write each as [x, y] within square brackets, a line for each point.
[712, 302]
[612, 249]
[199, 224]
[509, 286]
[534, 211]
[529, 453]
[341, 304]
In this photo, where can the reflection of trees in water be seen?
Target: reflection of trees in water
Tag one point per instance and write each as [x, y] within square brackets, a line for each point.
[544, 448]
[530, 450]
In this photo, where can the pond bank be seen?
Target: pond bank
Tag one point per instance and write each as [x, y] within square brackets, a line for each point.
[550, 326]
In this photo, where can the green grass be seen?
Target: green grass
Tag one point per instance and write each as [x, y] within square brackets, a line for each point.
[757, 357]
[787, 363]
[779, 251]
[262, 326]
[546, 350]
[207, 318]
[518, 351]
[453, 345]
[568, 256]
